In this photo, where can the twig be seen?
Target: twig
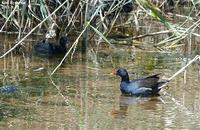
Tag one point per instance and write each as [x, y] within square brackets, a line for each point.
[75, 43]
[16, 32]
[181, 16]
[58, 88]
[152, 34]
[181, 70]
[7, 19]
[172, 98]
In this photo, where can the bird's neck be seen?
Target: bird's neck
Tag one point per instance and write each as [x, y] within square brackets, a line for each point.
[125, 78]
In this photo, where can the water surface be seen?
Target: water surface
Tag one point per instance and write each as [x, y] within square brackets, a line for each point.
[83, 95]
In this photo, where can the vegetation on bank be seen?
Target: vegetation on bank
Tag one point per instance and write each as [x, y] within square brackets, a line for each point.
[128, 22]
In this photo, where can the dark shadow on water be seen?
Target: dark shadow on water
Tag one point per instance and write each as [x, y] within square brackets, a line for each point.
[146, 103]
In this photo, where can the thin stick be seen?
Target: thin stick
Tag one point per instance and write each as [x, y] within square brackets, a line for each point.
[7, 19]
[152, 34]
[75, 43]
[58, 88]
[172, 98]
[181, 70]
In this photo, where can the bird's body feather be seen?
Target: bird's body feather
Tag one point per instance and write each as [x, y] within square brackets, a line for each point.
[49, 49]
[148, 86]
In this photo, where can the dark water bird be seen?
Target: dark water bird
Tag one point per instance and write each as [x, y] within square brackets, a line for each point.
[127, 5]
[45, 48]
[149, 86]
[170, 2]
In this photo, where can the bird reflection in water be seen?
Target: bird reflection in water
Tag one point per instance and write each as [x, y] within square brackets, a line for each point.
[147, 103]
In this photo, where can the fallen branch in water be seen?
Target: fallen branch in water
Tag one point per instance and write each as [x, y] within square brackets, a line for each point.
[181, 70]
[177, 102]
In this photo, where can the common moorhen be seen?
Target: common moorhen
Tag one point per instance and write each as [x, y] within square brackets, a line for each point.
[45, 48]
[148, 86]
[127, 5]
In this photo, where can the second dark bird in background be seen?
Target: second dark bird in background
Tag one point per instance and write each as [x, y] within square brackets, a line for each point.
[46, 49]
[127, 5]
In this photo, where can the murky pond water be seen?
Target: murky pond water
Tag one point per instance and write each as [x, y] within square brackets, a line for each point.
[83, 95]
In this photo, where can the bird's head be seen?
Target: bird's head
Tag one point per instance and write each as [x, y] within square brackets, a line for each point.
[64, 40]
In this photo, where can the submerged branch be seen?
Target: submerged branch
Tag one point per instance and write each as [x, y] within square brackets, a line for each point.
[197, 57]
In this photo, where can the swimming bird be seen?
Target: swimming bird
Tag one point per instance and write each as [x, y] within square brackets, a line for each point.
[45, 48]
[149, 86]
[126, 6]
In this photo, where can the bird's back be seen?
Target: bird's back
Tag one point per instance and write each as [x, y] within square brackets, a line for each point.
[148, 82]
[142, 87]
[43, 49]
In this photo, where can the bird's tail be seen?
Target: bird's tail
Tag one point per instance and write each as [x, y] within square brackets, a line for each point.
[162, 84]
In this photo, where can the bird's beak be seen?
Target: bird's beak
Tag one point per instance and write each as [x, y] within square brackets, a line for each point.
[114, 72]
